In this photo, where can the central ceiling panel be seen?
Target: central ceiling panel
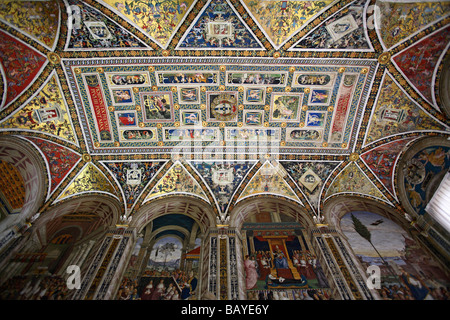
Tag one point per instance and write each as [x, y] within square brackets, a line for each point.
[129, 105]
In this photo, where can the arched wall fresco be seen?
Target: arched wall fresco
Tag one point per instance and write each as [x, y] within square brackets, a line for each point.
[407, 271]
[420, 172]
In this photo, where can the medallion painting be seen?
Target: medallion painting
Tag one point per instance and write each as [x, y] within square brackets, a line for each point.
[157, 106]
[190, 118]
[122, 97]
[304, 135]
[255, 95]
[253, 118]
[138, 135]
[194, 134]
[189, 95]
[407, 272]
[259, 136]
[222, 106]
[286, 107]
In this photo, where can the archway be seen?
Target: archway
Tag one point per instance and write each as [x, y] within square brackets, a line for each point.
[69, 233]
[27, 162]
[420, 170]
[165, 263]
[385, 244]
[253, 205]
[279, 260]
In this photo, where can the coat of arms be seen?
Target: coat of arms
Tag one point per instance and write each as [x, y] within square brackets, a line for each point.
[224, 106]
[134, 175]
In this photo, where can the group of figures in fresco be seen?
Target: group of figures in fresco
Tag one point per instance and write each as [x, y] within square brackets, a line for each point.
[176, 285]
[407, 271]
[281, 266]
[286, 271]
[261, 265]
[163, 277]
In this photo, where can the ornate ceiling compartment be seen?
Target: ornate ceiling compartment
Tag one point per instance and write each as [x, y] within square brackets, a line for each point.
[151, 105]
[222, 100]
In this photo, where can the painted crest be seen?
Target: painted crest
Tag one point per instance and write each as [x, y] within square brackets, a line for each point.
[222, 176]
[224, 107]
[134, 175]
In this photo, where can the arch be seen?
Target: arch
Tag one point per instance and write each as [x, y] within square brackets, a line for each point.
[429, 173]
[154, 235]
[197, 209]
[399, 255]
[335, 208]
[32, 168]
[106, 208]
[74, 230]
[12, 189]
[249, 206]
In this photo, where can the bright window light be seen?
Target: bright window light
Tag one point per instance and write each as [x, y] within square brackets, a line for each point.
[439, 205]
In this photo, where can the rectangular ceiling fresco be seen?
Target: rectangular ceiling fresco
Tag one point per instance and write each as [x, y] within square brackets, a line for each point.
[154, 105]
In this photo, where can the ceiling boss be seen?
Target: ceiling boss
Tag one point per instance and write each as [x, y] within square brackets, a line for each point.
[224, 107]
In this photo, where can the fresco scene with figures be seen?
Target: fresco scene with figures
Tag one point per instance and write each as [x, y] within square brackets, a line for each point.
[224, 150]
[407, 272]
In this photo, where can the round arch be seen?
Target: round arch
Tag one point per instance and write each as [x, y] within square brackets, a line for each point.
[419, 172]
[392, 244]
[154, 235]
[31, 166]
[199, 210]
[96, 210]
[335, 208]
[252, 205]
[74, 230]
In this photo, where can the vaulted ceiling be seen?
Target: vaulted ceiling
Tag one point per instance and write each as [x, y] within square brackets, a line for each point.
[223, 100]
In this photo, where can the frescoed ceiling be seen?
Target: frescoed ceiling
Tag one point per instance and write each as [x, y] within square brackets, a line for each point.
[223, 100]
